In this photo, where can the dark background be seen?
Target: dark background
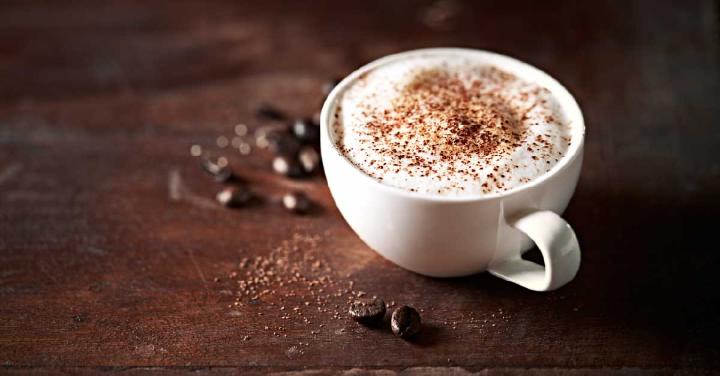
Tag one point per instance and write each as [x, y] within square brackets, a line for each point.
[101, 269]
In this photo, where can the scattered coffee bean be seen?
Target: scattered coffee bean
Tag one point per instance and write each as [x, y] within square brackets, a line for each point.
[234, 196]
[329, 85]
[309, 159]
[367, 311]
[405, 322]
[286, 166]
[270, 112]
[220, 171]
[296, 202]
[305, 131]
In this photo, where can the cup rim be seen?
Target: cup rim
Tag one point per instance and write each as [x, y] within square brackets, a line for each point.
[566, 100]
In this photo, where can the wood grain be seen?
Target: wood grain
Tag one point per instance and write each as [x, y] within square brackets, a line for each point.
[110, 240]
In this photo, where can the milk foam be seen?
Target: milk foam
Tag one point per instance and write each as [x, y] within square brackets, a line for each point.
[449, 125]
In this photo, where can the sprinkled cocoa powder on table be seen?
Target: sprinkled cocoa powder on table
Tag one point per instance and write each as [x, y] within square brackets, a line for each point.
[287, 283]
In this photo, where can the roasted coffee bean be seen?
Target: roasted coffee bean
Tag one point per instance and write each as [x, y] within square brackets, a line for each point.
[234, 196]
[305, 130]
[367, 311]
[405, 322]
[287, 166]
[329, 85]
[309, 159]
[296, 202]
[269, 112]
[221, 172]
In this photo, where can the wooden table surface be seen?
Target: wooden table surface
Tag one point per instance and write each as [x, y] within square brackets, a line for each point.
[114, 256]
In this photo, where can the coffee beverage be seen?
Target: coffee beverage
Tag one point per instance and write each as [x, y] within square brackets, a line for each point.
[493, 148]
[449, 125]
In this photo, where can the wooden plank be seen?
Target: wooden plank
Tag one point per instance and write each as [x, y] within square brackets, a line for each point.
[110, 241]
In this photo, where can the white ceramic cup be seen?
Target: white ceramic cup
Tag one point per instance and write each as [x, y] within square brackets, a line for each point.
[443, 236]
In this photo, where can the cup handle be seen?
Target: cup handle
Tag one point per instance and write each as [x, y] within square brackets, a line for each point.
[559, 247]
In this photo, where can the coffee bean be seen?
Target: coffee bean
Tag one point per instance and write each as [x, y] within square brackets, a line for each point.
[405, 322]
[309, 159]
[296, 202]
[367, 311]
[269, 112]
[305, 130]
[234, 196]
[221, 172]
[287, 166]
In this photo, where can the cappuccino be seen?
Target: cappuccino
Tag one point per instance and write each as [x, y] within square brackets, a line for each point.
[449, 125]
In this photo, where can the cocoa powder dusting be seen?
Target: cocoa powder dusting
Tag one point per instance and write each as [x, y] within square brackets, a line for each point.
[441, 119]
[286, 284]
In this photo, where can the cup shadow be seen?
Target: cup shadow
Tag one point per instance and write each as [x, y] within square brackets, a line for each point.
[648, 265]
